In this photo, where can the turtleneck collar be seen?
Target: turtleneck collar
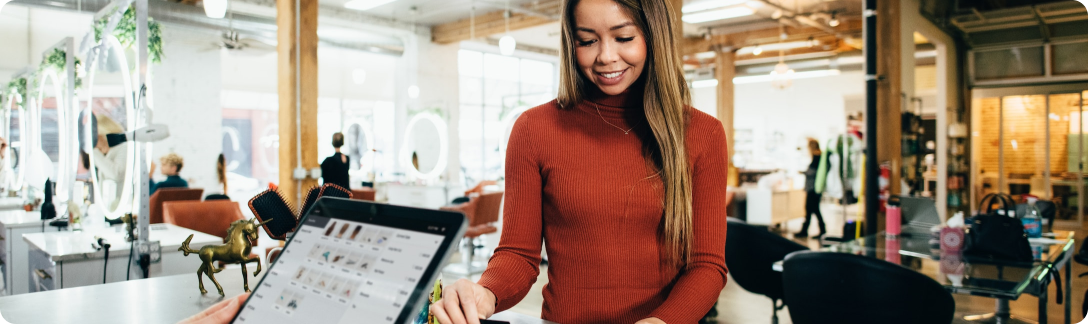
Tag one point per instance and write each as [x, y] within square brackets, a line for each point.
[614, 106]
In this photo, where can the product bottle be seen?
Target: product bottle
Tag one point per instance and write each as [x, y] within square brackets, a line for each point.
[894, 221]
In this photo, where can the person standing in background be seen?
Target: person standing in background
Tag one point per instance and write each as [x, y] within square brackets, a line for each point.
[110, 160]
[334, 169]
[812, 198]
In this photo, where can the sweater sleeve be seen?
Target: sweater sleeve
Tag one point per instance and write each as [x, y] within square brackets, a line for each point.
[702, 281]
[515, 265]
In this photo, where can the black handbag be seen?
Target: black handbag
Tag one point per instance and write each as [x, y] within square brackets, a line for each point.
[993, 236]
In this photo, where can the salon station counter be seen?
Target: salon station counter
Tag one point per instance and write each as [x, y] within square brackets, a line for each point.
[13, 250]
[11, 203]
[58, 260]
[156, 300]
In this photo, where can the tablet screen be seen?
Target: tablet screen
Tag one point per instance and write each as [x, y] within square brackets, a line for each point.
[340, 271]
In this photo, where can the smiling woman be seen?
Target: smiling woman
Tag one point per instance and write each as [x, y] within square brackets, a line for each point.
[620, 163]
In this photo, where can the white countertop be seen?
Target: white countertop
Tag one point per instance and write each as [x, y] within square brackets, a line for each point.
[9, 203]
[77, 245]
[20, 218]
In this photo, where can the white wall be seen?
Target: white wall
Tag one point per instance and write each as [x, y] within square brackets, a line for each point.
[186, 90]
[26, 33]
[810, 108]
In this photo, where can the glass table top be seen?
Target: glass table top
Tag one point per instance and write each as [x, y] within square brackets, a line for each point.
[922, 254]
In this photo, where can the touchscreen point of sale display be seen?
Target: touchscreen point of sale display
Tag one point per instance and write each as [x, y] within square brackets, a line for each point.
[355, 262]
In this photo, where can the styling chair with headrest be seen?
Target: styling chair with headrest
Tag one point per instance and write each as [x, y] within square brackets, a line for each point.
[750, 254]
[841, 288]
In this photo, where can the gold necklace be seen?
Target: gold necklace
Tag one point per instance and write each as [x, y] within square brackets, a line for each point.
[625, 132]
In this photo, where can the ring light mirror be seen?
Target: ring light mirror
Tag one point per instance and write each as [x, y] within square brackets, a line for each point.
[51, 135]
[111, 168]
[426, 146]
[360, 147]
[13, 133]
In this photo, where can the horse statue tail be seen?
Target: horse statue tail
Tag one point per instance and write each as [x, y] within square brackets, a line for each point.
[185, 246]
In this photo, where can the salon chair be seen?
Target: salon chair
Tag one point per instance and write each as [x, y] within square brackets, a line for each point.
[482, 211]
[170, 194]
[842, 288]
[210, 217]
[750, 254]
[363, 194]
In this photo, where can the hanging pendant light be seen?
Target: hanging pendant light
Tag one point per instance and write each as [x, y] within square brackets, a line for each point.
[2, 3]
[215, 8]
[507, 44]
[782, 76]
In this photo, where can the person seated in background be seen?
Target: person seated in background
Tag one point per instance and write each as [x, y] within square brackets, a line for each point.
[219, 190]
[334, 169]
[171, 166]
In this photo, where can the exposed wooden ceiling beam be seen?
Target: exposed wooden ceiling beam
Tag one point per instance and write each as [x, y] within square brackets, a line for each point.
[492, 23]
[486, 25]
[695, 45]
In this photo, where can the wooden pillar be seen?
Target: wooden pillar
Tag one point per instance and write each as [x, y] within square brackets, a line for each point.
[725, 70]
[297, 57]
[889, 89]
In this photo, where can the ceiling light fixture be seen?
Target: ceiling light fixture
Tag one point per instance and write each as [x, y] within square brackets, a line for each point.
[709, 4]
[215, 8]
[718, 14]
[777, 14]
[2, 3]
[758, 50]
[834, 22]
[364, 4]
[812, 42]
[507, 44]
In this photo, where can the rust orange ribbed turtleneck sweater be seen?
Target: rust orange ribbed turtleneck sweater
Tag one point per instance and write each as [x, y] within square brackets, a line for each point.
[583, 188]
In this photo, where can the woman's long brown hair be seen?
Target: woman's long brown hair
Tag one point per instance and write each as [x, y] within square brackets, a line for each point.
[665, 98]
[221, 171]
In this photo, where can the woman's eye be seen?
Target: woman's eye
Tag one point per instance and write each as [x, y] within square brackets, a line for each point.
[624, 39]
[586, 42]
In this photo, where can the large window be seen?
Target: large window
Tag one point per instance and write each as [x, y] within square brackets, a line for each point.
[495, 90]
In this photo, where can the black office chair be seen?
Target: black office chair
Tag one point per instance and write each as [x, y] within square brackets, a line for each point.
[750, 253]
[841, 288]
[1082, 258]
[217, 197]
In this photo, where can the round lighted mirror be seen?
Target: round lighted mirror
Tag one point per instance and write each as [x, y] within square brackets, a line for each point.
[48, 156]
[426, 147]
[12, 132]
[108, 98]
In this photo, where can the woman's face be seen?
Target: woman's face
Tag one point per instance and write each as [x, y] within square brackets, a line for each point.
[611, 50]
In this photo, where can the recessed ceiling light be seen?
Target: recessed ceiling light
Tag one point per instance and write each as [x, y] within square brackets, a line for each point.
[718, 14]
[365, 4]
[709, 4]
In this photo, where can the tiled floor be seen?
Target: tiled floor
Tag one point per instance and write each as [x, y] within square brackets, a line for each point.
[737, 306]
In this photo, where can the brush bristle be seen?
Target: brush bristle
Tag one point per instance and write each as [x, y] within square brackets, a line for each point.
[271, 205]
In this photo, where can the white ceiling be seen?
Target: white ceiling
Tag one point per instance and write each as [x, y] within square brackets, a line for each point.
[432, 12]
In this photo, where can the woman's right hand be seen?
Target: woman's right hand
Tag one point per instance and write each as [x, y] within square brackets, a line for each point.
[464, 302]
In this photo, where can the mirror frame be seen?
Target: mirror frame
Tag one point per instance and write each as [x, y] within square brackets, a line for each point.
[68, 151]
[17, 182]
[443, 142]
[128, 191]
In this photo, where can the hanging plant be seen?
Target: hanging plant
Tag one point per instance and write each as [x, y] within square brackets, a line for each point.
[17, 86]
[56, 61]
[437, 110]
[125, 32]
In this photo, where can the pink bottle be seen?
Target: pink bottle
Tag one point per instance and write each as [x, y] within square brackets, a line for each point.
[895, 218]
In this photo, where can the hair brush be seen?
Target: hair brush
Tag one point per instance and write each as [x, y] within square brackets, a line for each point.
[311, 199]
[270, 205]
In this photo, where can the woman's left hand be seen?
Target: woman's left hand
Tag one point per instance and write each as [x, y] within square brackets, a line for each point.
[652, 320]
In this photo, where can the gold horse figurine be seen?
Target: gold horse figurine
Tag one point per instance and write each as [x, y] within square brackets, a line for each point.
[239, 243]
